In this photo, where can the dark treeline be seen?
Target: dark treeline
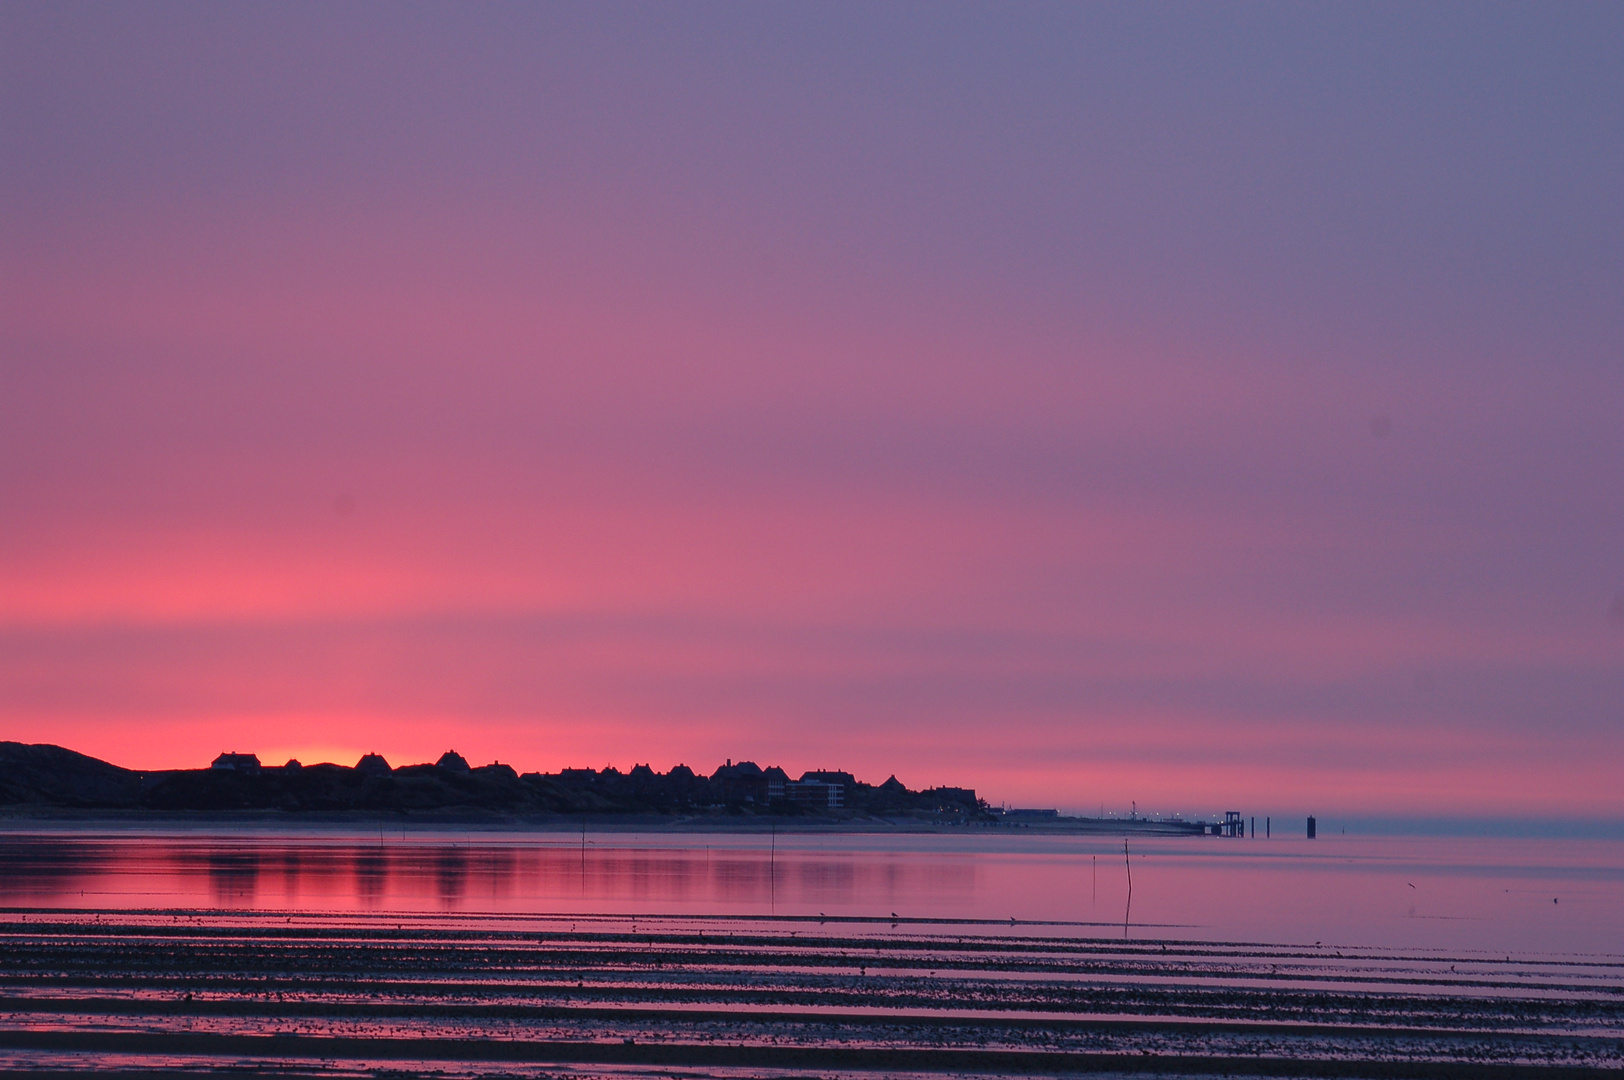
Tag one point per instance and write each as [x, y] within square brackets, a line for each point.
[48, 776]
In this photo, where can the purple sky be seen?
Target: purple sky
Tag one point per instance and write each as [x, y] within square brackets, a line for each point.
[1199, 405]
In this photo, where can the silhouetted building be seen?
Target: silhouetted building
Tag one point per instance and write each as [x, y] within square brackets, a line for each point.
[741, 783]
[1311, 828]
[373, 765]
[815, 794]
[236, 762]
[1028, 814]
[847, 782]
[452, 762]
[952, 798]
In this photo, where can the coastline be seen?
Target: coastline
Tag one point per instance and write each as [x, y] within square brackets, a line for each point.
[15, 819]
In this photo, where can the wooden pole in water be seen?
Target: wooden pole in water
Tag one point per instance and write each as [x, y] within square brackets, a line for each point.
[1129, 908]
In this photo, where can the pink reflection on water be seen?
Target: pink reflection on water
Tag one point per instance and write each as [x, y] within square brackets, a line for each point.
[1493, 895]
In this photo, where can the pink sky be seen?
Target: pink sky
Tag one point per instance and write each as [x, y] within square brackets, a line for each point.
[1190, 406]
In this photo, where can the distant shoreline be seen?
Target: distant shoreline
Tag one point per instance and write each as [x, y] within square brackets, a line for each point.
[47, 783]
[18, 818]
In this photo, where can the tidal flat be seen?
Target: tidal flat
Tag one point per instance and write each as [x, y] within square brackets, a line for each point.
[288, 955]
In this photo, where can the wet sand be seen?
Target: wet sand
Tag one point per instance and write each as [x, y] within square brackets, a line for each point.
[290, 993]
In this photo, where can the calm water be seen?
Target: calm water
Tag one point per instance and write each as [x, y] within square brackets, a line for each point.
[1513, 895]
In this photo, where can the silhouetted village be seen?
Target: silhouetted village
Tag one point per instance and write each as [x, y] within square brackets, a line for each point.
[41, 778]
[52, 776]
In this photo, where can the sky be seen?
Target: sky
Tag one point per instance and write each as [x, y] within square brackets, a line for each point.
[1177, 405]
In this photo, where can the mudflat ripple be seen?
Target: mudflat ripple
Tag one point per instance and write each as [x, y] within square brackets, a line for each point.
[295, 993]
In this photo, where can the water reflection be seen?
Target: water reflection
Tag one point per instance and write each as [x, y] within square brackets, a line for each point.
[371, 875]
[1492, 894]
[449, 876]
[51, 872]
[233, 877]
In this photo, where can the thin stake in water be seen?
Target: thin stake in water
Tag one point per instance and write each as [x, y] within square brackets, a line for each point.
[1129, 909]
